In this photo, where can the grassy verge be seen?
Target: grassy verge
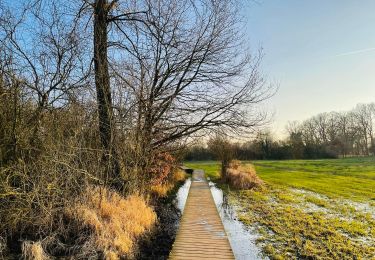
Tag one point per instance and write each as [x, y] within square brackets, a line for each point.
[322, 209]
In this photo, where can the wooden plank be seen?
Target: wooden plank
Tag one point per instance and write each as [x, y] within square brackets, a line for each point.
[201, 234]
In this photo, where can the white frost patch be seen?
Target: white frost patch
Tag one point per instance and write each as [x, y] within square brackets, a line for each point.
[361, 207]
[311, 207]
[307, 192]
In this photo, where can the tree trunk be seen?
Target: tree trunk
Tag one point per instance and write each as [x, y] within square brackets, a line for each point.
[14, 124]
[102, 84]
[103, 88]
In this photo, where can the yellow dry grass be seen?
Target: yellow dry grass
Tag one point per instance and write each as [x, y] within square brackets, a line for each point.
[178, 175]
[235, 164]
[161, 190]
[243, 177]
[33, 251]
[117, 222]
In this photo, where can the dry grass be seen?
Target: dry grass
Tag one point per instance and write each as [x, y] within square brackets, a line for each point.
[3, 246]
[243, 177]
[33, 251]
[116, 222]
[235, 164]
[178, 176]
[161, 190]
[46, 166]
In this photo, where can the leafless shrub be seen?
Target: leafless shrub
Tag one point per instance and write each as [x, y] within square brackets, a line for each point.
[223, 150]
[34, 190]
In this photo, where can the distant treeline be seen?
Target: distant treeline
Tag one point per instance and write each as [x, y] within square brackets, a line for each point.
[326, 135]
[264, 149]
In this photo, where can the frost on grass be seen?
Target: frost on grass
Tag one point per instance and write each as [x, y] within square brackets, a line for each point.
[341, 207]
[302, 224]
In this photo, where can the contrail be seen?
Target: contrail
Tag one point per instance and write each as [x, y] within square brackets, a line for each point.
[355, 52]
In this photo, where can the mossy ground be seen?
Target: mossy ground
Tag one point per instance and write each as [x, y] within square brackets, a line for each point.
[321, 209]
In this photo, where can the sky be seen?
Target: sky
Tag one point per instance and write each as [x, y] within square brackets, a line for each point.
[320, 53]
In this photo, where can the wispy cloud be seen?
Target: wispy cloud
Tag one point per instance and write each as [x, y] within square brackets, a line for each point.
[355, 52]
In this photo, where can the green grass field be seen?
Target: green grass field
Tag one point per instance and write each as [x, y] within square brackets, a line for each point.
[352, 178]
[318, 209]
[211, 168]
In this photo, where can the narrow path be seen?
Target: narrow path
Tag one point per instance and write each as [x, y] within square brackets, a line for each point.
[201, 234]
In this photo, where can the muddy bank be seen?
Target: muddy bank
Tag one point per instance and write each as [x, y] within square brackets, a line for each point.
[169, 211]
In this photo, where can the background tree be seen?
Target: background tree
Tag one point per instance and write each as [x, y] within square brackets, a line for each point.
[223, 150]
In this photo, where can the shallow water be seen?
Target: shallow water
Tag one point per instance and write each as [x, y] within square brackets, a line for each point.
[181, 195]
[240, 237]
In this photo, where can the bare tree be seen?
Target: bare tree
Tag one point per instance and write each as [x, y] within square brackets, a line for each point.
[223, 150]
[184, 66]
[363, 115]
[45, 50]
[341, 133]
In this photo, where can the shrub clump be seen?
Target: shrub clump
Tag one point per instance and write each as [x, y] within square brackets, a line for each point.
[242, 177]
[116, 223]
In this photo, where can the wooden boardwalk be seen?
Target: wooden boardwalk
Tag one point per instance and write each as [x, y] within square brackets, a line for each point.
[201, 234]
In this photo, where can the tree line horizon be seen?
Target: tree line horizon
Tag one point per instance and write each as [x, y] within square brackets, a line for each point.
[325, 135]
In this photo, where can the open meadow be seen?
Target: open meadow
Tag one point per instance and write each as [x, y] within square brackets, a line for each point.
[309, 209]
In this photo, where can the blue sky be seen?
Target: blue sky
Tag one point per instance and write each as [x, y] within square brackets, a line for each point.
[320, 53]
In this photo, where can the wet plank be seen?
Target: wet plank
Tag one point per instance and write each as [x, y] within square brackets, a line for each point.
[201, 234]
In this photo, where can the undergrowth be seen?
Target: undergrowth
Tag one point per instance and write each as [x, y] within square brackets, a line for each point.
[116, 222]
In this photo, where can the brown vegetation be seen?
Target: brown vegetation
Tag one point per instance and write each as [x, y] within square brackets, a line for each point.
[116, 222]
[161, 190]
[33, 251]
[243, 177]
